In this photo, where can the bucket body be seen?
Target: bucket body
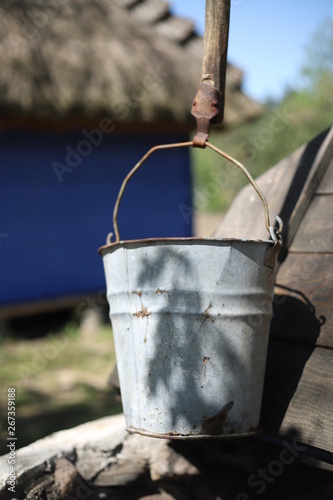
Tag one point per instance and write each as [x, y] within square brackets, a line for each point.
[191, 323]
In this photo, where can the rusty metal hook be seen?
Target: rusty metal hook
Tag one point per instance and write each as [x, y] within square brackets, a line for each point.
[208, 104]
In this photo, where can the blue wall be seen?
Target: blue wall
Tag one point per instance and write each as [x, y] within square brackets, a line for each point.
[50, 230]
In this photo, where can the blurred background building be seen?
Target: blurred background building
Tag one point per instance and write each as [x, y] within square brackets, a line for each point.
[86, 89]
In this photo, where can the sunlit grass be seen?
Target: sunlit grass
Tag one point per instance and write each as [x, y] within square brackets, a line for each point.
[61, 380]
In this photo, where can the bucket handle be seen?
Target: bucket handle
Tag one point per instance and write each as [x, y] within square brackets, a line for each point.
[272, 230]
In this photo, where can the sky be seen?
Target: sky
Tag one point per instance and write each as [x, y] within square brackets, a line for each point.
[267, 39]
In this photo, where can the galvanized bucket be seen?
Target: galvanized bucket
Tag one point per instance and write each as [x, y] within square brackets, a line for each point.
[191, 322]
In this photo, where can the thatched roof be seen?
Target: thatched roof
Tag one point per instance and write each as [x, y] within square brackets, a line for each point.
[130, 60]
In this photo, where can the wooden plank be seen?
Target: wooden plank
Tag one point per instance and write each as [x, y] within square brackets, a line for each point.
[298, 395]
[288, 188]
[326, 185]
[315, 232]
[245, 217]
[321, 165]
[47, 306]
[214, 63]
[314, 457]
[303, 302]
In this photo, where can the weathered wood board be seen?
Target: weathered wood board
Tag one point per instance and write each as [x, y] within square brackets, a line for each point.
[288, 188]
[245, 217]
[315, 232]
[298, 396]
[303, 302]
[326, 184]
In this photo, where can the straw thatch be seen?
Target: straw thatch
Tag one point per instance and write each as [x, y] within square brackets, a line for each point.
[130, 60]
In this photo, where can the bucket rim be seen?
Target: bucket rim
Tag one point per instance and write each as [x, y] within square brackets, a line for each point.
[191, 239]
[194, 437]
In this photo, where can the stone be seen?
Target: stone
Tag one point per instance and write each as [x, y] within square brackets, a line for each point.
[65, 475]
[91, 461]
[122, 473]
[167, 463]
[43, 489]
[130, 463]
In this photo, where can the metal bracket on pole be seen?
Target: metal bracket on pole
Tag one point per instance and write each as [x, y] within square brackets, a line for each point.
[208, 105]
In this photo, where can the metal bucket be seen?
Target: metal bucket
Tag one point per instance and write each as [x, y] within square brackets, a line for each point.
[191, 323]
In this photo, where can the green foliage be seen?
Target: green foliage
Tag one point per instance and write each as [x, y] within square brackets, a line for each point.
[319, 56]
[258, 145]
[283, 127]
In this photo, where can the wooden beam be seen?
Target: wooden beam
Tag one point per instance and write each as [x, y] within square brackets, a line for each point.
[321, 150]
[288, 187]
[214, 62]
[298, 394]
[46, 306]
[326, 185]
[315, 231]
[303, 301]
[245, 218]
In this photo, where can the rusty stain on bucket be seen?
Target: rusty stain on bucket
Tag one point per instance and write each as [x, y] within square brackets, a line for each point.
[144, 313]
[214, 425]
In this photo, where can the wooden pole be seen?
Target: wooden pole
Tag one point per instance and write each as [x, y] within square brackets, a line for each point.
[214, 62]
[208, 105]
[216, 42]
